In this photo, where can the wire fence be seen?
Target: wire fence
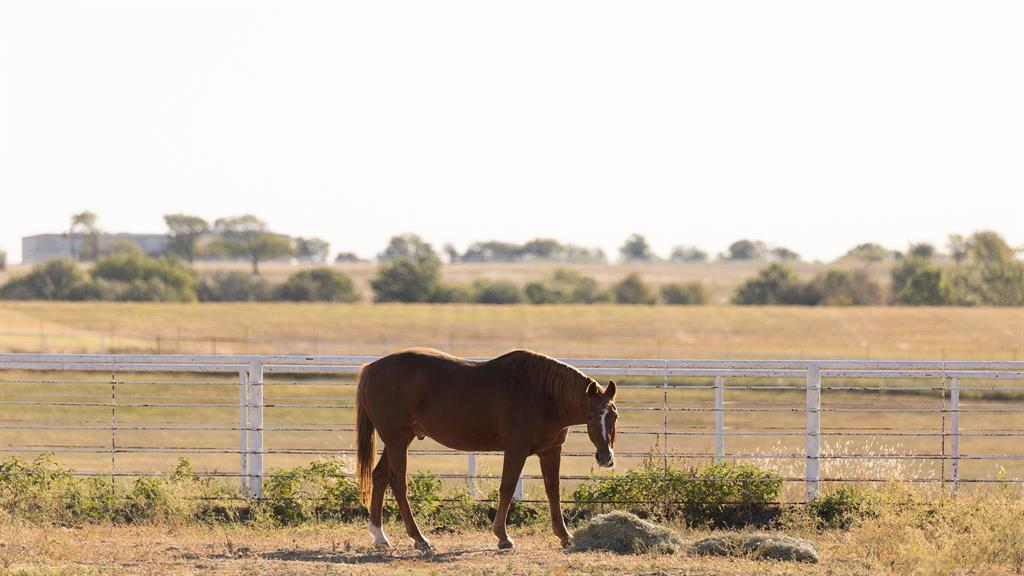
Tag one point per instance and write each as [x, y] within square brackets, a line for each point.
[243, 416]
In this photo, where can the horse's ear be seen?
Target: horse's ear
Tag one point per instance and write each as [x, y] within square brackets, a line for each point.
[609, 391]
[592, 388]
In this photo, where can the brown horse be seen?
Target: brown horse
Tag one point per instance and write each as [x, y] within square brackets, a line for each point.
[522, 403]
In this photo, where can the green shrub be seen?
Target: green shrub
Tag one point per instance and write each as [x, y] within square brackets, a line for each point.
[842, 288]
[452, 293]
[633, 290]
[720, 495]
[566, 286]
[407, 279]
[688, 293]
[774, 284]
[918, 282]
[840, 507]
[145, 278]
[318, 285]
[321, 490]
[497, 291]
[233, 286]
[55, 279]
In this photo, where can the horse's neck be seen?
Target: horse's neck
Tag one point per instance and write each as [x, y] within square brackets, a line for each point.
[575, 412]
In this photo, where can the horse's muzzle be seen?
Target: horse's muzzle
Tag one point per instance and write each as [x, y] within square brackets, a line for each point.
[605, 460]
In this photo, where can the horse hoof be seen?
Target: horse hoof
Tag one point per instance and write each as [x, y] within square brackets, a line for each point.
[567, 543]
[424, 546]
[506, 544]
[385, 545]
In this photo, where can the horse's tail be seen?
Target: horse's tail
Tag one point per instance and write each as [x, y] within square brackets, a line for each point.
[367, 444]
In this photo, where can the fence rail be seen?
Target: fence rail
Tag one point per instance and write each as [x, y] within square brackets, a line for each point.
[773, 389]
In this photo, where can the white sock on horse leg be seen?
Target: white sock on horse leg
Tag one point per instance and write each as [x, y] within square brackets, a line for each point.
[379, 538]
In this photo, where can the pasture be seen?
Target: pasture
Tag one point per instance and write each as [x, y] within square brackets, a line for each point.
[481, 330]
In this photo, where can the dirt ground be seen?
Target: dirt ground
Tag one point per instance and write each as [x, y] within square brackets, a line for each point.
[27, 549]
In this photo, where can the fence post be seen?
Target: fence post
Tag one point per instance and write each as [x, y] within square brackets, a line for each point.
[954, 413]
[812, 469]
[719, 419]
[518, 494]
[664, 419]
[471, 474]
[243, 427]
[255, 429]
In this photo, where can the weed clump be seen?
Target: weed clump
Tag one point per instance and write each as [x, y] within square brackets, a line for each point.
[624, 533]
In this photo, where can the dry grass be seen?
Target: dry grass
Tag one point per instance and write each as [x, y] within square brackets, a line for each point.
[337, 550]
[909, 534]
[564, 330]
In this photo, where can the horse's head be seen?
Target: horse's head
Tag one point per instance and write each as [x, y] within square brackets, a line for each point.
[601, 416]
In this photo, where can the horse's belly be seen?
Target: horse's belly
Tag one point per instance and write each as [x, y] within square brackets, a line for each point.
[466, 441]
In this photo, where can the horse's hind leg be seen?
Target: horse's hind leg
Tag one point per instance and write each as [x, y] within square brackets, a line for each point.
[397, 456]
[381, 475]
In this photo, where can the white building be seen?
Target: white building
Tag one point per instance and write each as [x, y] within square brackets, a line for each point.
[45, 246]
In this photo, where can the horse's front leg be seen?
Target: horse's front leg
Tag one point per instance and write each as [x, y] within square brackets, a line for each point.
[510, 471]
[550, 461]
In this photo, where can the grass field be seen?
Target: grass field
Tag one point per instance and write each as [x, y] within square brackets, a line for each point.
[563, 330]
[608, 331]
[340, 550]
[906, 534]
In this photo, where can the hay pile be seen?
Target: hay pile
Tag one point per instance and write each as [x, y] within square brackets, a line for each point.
[757, 546]
[624, 533]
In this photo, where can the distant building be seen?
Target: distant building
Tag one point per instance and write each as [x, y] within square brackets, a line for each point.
[45, 246]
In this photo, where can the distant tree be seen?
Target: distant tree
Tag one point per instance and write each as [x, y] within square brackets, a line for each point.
[451, 252]
[868, 253]
[689, 293]
[988, 246]
[921, 250]
[407, 246]
[185, 231]
[318, 285]
[347, 257]
[84, 223]
[3, 260]
[496, 291]
[312, 249]
[544, 249]
[747, 250]
[842, 288]
[636, 249]
[633, 290]
[121, 246]
[774, 284]
[688, 254]
[492, 251]
[916, 281]
[248, 237]
[988, 275]
[958, 248]
[783, 254]
[410, 271]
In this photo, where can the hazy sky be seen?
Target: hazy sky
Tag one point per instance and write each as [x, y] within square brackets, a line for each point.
[814, 125]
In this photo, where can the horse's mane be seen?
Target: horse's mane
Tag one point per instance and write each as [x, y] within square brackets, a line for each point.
[564, 385]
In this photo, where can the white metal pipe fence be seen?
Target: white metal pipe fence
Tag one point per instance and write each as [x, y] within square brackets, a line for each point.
[66, 387]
